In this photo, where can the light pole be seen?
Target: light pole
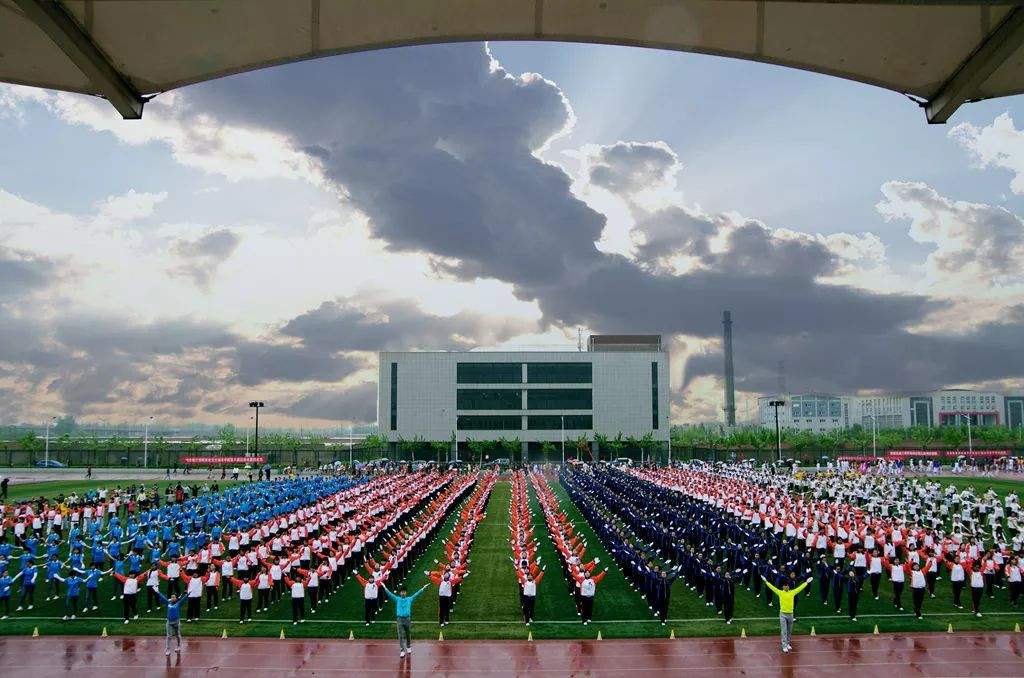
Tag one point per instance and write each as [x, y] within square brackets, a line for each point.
[247, 437]
[145, 445]
[969, 441]
[256, 439]
[49, 422]
[562, 418]
[350, 448]
[778, 432]
[874, 432]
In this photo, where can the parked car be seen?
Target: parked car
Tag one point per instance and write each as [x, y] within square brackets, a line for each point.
[623, 461]
[52, 463]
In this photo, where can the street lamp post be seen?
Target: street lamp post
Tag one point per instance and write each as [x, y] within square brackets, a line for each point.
[256, 438]
[49, 423]
[562, 418]
[350, 448]
[778, 432]
[874, 436]
[145, 445]
[970, 447]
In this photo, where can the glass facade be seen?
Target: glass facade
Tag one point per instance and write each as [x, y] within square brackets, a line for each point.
[559, 373]
[489, 373]
[817, 406]
[559, 399]
[489, 422]
[553, 422]
[489, 399]
[394, 396]
[654, 395]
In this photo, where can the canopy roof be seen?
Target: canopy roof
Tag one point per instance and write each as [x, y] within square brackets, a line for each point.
[942, 53]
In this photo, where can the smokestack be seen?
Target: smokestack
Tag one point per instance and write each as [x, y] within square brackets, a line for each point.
[730, 390]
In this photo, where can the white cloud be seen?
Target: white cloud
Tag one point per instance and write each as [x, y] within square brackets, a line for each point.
[121, 209]
[999, 144]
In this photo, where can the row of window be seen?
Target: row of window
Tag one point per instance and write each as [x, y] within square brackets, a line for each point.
[536, 373]
[492, 422]
[536, 399]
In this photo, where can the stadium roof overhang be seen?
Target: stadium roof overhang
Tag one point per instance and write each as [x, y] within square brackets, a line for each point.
[942, 53]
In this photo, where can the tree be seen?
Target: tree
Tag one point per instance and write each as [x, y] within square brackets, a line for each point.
[601, 442]
[582, 446]
[441, 448]
[510, 448]
[548, 449]
[194, 446]
[615, 446]
[64, 425]
[291, 443]
[647, 445]
[31, 443]
[410, 447]
[923, 435]
[374, 445]
[228, 437]
[159, 446]
[954, 436]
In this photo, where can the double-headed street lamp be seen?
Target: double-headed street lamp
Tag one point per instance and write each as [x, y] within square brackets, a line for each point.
[256, 439]
[49, 423]
[778, 432]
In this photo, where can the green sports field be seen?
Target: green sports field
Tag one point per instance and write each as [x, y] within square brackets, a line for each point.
[488, 606]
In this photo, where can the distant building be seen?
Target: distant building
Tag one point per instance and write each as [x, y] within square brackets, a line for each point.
[825, 412]
[619, 385]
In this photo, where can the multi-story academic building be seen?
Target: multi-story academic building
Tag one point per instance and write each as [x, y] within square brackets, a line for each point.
[620, 384]
[822, 412]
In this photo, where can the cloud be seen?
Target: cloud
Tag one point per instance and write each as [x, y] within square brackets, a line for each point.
[24, 272]
[355, 405]
[395, 325]
[201, 257]
[627, 168]
[974, 243]
[122, 209]
[999, 144]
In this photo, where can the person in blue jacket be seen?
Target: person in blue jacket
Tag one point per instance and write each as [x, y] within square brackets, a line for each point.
[173, 620]
[74, 584]
[28, 576]
[403, 614]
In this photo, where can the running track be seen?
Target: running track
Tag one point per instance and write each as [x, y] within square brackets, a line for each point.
[890, 655]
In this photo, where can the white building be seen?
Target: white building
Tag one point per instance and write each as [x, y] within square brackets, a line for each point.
[820, 412]
[619, 385]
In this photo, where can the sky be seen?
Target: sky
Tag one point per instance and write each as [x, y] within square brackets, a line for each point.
[264, 235]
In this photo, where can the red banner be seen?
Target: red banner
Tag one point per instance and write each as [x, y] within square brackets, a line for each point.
[981, 453]
[213, 461]
[856, 457]
[907, 454]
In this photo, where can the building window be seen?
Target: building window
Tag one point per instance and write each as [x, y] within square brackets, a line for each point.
[488, 422]
[559, 373]
[489, 373]
[654, 395]
[394, 396]
[489, 399]
[559, 399]
[552, 422]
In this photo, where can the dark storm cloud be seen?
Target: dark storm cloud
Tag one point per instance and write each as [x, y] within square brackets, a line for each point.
[437, 148]
[893, 360]
[260, 362]
[626, 168]
[342, 325]
[357, 404]
[201, 257]
[21, 273]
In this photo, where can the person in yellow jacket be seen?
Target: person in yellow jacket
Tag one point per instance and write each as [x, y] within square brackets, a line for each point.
[786, 596]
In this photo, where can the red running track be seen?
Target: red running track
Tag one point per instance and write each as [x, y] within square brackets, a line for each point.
[961, 654]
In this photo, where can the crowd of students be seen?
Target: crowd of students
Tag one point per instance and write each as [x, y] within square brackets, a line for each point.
[571, 549]
[262, 540]
[524, 556]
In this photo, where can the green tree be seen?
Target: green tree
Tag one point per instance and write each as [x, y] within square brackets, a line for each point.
[31, 443]
[601, 442]
[582, 447]
[228, 437]
[549, 451]
[374, 445]
[616, 445]
[647, 445]
[441, 449]
[159, 447]
[64, 425]
[954, 436]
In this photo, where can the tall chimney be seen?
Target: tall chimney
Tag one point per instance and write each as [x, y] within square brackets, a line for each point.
[730, 390]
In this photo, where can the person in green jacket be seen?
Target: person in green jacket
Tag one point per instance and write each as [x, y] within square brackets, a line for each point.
[786, 597]
[403, 613]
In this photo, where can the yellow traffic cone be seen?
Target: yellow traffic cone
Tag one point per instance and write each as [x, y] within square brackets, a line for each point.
[440, 635]
[224, 633]
[812, 632]
[743, 632]
[1016, 627]
[282, 634]
[529, 636]
[876, 630]
[672, 634]
[599, 635]
[35, 632]
[351, 636]
[949, 629]
[104, 633]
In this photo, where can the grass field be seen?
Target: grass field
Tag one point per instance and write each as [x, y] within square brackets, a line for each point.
[53, 488]
[488, 606]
